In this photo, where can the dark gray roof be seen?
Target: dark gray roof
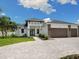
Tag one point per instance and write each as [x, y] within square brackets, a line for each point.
[53, 21]
[61, 22]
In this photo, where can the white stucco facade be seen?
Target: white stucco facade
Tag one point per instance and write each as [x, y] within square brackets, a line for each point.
[59, 25]
[35, 27]
[55, 25]
[41, 26]
[18, 31]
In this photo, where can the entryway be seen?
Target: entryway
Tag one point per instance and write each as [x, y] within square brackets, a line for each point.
[32, 32]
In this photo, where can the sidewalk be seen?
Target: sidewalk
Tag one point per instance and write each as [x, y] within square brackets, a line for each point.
[37, 39]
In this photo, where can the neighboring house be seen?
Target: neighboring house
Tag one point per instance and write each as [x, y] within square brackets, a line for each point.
[55, 28]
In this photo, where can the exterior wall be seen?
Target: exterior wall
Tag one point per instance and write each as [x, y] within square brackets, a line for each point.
[74, 26]
[8, 33]
[44, 30]
[18, 31]
[28, 30]
[36, 23]
[35, 26]
[54, 25]
[35, 29]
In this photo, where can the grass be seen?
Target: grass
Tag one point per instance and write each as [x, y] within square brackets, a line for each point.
[8, 41]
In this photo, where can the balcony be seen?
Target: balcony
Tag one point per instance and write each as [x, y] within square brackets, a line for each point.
[36, 24]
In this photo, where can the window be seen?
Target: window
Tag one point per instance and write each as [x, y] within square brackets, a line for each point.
[37, 31]
[22, 30]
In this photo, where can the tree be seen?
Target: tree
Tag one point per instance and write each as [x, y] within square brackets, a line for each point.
[6, 24]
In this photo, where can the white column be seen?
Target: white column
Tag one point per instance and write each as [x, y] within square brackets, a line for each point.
[40, 30]
[69, 31]
[28, 30]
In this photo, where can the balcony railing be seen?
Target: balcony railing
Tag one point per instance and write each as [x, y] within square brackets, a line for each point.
[36, 24]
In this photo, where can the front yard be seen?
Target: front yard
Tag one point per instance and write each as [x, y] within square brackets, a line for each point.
[54, 48]
[8, 41]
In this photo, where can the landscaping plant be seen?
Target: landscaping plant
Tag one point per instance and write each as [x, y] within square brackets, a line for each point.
[74, 56]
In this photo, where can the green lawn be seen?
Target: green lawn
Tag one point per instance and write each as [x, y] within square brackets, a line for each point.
[8, 41]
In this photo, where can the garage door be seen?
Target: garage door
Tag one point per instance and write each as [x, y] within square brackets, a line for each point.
[58, 32]
[73, 32]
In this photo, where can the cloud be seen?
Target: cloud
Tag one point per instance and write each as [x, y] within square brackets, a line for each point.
[2, 14]
[47, 20]
[77, 21]
[52, 0]
[73, 2]
[41, 5]
[16, 17]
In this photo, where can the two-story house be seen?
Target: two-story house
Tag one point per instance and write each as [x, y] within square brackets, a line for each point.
[55, 28]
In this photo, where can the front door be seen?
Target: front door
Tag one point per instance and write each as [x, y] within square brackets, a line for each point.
[32, 32]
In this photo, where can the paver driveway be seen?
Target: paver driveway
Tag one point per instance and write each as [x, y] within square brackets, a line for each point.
[50, 49]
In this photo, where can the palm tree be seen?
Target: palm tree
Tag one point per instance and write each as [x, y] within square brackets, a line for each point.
[6, 24]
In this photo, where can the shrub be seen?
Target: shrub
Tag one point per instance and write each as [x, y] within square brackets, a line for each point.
[13, 35]
[25, 35]
[43, 37]
[3, 37]
[40, 35]
[46, 38]
[74, 56]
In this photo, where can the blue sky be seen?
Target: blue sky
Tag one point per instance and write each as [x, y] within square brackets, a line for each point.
[66, 10]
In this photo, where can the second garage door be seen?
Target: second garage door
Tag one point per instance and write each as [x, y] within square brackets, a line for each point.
[73, 32]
